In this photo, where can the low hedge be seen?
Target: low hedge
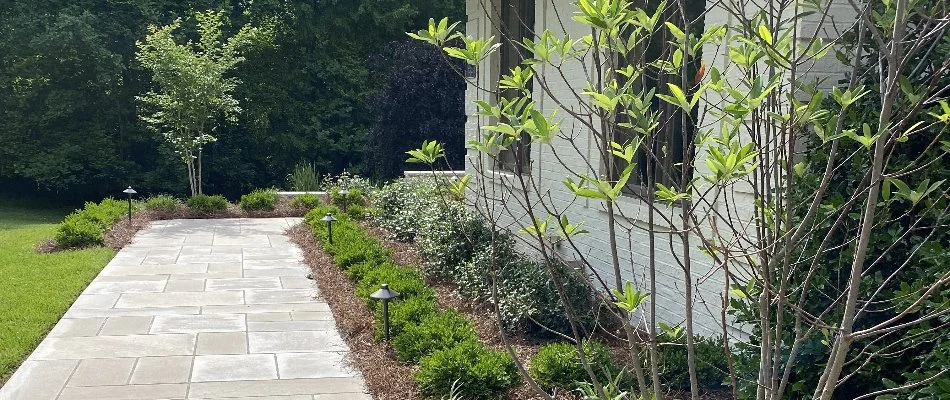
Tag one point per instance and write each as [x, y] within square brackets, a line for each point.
[306, 200]
[437, 331]
[443, 342]
[259, 200]
[87, 226]
[207, 204]
[472, 370]
[559, 365]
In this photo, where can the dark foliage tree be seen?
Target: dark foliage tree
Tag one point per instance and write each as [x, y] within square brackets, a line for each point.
[423, 98]
[68, 80]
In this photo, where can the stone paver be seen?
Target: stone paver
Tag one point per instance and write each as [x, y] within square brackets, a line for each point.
[196, 309]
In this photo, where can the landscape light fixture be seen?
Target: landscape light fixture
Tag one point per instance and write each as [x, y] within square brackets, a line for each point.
[130, 192]
[346, 198]
[329, 220]
[385, 294]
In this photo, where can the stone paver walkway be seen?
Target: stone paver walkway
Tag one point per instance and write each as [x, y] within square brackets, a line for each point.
[195, 309]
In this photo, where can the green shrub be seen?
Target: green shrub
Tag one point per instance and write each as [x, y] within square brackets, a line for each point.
[527, 299]
[307, 200]
[407, 281]
[711, 362]
[437, 331]
[259, 200]
[559, 365]
[356, 212]
[403, 314]
[477, 373]
[87, 226]
[78, 231]
[162, 203]
[207, 204]
[304, 178]
[409, 206]
[353, 198]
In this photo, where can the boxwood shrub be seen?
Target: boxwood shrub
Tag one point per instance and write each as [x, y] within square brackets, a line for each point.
[405, 313]
[477, 373]
[259, 200]
[87, 226]
[557, 365]
[407, 281]
[306, 200]
[436, 332]
[162, 203]
[207, 204]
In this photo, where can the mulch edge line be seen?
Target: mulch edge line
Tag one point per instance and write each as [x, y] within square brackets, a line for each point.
[386, 378]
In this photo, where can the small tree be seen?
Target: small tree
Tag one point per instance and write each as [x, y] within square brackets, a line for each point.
[192, 92]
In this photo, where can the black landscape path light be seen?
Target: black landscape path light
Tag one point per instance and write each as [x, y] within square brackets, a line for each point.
[329, 220]
[346, 198]
[385, 294]
[130, 192]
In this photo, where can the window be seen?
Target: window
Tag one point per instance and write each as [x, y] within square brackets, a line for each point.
[663, 157]
[517, 23]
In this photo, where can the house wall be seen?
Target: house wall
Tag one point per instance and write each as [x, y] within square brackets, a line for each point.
[551, 165]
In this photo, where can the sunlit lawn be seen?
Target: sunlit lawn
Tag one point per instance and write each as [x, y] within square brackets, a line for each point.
[36, 289]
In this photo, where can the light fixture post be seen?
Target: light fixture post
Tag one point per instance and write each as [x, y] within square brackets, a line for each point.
[329, 220]
[385, 294]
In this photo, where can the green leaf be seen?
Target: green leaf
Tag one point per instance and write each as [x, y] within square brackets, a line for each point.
[765, 34]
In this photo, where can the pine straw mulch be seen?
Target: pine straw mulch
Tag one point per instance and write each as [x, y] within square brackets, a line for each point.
[386, 378]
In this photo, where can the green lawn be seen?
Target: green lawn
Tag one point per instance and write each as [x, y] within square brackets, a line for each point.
[36, 289]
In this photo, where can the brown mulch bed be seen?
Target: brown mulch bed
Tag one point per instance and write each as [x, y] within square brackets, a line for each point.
[121, 233]
[386, 378]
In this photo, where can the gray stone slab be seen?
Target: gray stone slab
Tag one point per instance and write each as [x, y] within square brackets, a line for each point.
[120, 312]
[171, 369]
[297, 282]
[198, 323]
[279, 296]
[290, 326]
[118, 326]
[313, 365]
[281, 387]
[157, 269]
[96, 301]
[278, 272]
[183, 299]
[77, 348]
[125, 287]
[209, 258]
[128, 392]
[311, 315]
[268, 317]
[265, 308]
[244, 283]
[102, 372]
[294, 342]
[185, 285]
[77, 327]
[37, 379]
[219, 343]
[244, 367]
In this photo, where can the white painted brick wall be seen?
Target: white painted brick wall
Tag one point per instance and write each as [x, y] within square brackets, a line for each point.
[550, 173]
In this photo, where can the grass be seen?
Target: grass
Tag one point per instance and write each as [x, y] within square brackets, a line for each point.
[36, 289]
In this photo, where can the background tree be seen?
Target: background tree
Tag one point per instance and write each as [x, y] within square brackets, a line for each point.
[422, 98]
[69, 78]
[193, 90]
